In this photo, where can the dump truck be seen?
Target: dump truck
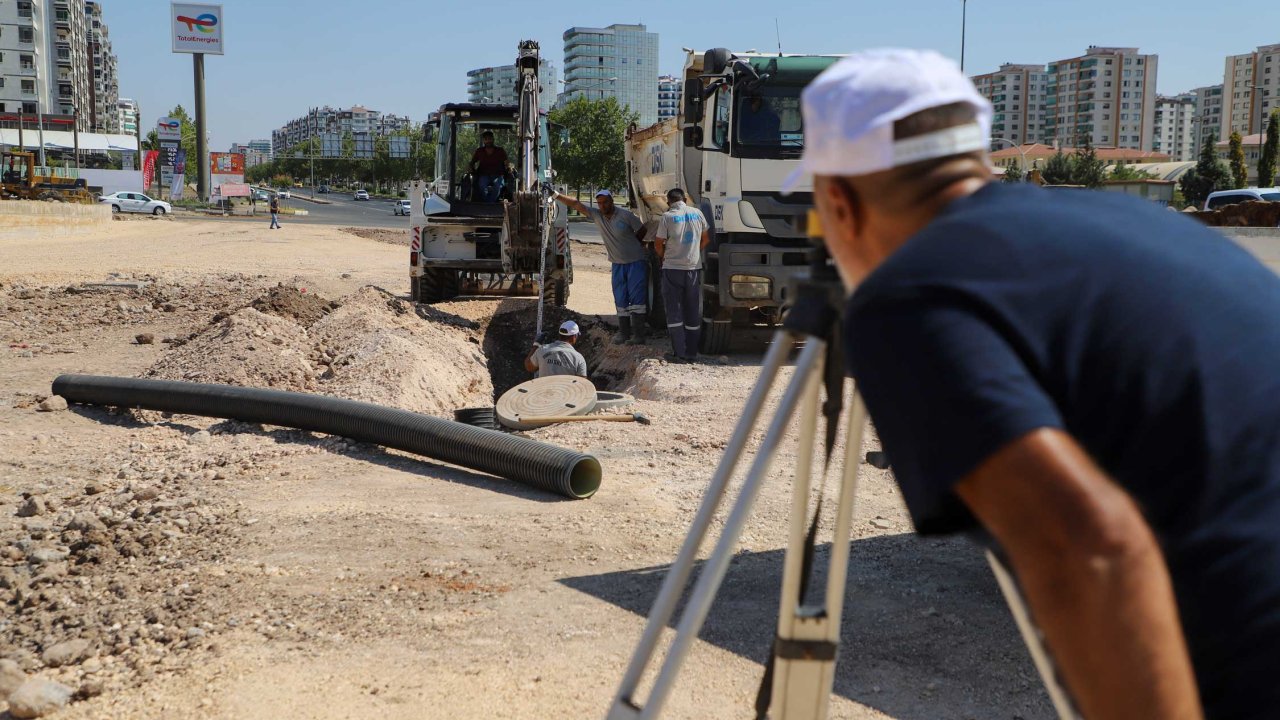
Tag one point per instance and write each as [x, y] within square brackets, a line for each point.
[738, 135]
[22, 179]
[514, 241]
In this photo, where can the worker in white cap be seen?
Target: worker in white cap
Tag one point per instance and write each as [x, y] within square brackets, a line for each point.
[559, 357]
[1081, 378]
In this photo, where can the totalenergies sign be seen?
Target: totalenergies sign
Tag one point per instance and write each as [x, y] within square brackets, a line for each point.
[196, 28]
[169, 129]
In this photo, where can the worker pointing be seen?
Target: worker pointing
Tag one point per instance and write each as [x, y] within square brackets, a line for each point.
[1086, 380]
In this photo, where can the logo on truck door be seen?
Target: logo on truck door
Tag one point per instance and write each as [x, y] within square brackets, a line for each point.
[655, 159]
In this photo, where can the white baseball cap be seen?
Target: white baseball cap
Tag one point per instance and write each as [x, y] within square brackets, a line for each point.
[569, 328]
[849, 112]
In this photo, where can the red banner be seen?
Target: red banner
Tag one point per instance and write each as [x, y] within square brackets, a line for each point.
[148, 169]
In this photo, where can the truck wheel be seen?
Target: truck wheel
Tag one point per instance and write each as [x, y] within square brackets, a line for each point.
[717, 327]
[560, 292]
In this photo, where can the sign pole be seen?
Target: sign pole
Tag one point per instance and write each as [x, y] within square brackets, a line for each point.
[202, 151]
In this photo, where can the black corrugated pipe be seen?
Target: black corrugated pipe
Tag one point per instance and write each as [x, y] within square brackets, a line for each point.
[560, 470]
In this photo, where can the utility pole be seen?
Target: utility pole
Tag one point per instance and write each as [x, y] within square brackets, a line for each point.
[964, 11]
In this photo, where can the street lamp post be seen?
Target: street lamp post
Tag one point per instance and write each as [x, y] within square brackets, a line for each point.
[964, 13]
[1262, 121]
[1017, 147]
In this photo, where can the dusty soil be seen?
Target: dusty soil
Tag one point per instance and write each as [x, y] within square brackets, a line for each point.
[193, 567]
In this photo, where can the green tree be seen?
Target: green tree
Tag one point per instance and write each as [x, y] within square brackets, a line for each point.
[1267, 160]
[593, 156]
[1087, 168]
[1239, 171]
[1013, 173]
[1057, 170]
[1208, 175]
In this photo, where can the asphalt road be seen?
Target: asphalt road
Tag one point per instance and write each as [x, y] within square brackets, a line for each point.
[346, 211]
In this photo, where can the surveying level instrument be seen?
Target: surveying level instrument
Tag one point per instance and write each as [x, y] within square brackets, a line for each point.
[801, 671]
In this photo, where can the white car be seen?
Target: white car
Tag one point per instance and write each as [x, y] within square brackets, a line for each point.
[402, 207]
[136, 203]
[361, 195]
[283, 193]
[1223, 198]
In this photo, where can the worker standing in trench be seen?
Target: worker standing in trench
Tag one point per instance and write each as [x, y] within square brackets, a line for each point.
[623, 235]
[1084, 380]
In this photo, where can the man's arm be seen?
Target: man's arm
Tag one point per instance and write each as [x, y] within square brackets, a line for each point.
[529, 364]
[1092, 574]
[571, 202]
[706, 239]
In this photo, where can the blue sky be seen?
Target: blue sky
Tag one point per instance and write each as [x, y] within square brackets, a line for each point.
[409, 56]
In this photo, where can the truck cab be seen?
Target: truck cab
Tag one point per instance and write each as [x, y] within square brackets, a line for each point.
[739, 134]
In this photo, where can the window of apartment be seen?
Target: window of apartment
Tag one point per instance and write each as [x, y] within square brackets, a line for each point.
[24, 8]
[26, 35]
[28, 86]
[29, 108]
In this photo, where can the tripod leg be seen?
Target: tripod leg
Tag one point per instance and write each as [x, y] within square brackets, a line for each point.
[808, 641]
[717, 564]
[1062, 702]
[677, 577]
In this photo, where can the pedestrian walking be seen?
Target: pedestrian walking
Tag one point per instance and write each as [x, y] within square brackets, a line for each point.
[559, 357]
[1082, 379]
[623, 234]
[682, 234]
[275, 212]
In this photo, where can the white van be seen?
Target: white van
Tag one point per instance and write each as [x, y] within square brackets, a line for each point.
[1223, 198]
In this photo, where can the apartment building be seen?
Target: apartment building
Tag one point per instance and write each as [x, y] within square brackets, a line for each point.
[1017, 94]
[128, 113]
[1208, 118]
[1175, 126]
[669, 92]
[44, 60]
[104, 92]
[497, 85]
[1250, 83]
[1107, 95]
[317, 121]
[618, 61]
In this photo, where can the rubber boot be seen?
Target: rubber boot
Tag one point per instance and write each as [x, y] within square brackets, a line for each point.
[641, 326]
[624, 330]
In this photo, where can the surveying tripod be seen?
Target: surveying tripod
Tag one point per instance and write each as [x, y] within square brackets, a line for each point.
[801, 672]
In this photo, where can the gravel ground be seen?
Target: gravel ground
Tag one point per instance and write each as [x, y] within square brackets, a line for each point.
[157, 567]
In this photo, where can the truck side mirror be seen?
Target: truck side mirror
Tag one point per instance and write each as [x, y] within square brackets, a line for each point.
[428, 133]
[693, 100]
[693, 137]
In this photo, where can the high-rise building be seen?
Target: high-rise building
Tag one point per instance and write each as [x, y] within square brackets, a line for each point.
[1249, 90]
[669, 91]
[44, 59]
[1208, 115]
[128, 114]
[619, 61]
[252, 157]
[1017, 95]
[497, 85]
[1175, 131]
[104, 92]
[262, 146]
[1107, 95]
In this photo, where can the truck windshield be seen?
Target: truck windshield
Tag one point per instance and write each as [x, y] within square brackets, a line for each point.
[459, 139]
[768, 123]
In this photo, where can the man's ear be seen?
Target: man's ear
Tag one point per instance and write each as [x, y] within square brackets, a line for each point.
[837, 207]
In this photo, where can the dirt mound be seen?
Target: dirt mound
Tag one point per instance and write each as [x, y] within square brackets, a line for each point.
[373, 347]
[293, 303]
[1247, 214]
[383, 235]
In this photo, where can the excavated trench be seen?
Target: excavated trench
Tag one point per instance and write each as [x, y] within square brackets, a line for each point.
[508, 338]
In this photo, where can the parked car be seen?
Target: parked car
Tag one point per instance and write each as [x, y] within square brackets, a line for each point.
[260, 196]
[362, 195]
[1223, 198]
[402, 207]
[135, 203]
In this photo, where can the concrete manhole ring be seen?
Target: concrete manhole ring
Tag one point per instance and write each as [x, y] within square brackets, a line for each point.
[606, 399]
[554, 396]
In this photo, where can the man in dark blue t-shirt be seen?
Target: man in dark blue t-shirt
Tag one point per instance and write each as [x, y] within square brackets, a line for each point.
[1088, 380]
